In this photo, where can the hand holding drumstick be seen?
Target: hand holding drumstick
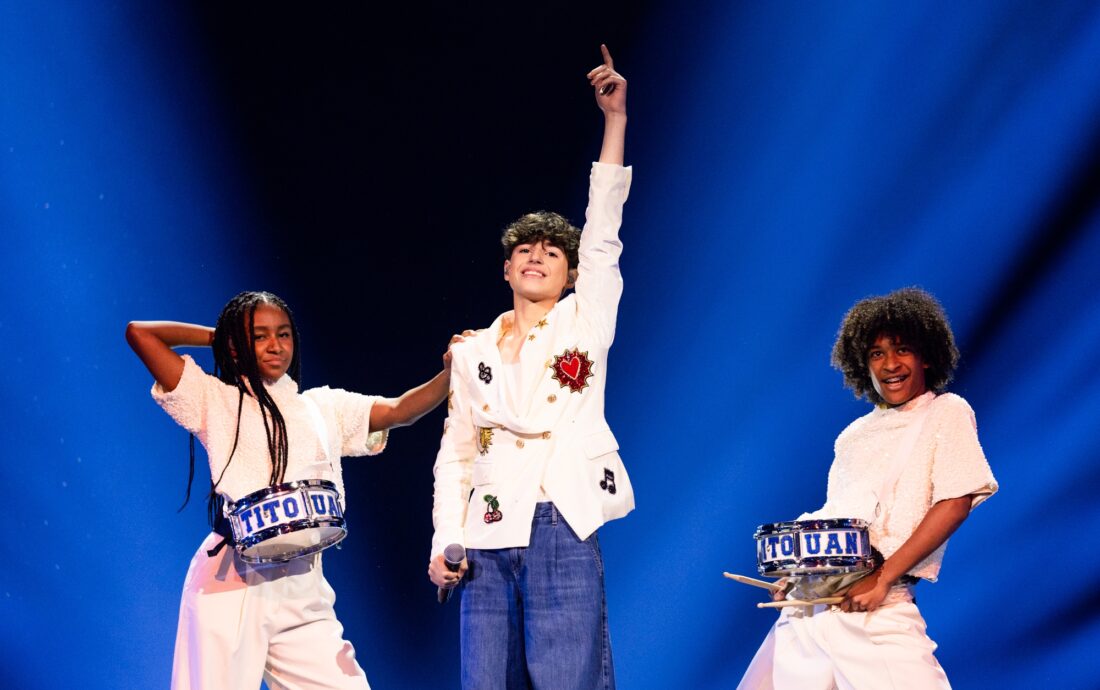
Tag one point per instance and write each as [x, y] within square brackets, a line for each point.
[778, 590]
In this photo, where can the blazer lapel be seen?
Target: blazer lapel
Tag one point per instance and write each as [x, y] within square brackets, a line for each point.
[536, 357]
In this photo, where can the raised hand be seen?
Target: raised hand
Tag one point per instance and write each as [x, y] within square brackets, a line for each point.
[609, 85]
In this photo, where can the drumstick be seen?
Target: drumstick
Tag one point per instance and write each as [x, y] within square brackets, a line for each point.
[755, 583]
[799, 602]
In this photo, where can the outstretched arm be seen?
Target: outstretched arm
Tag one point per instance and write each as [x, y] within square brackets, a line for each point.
[153, 342]
[410, 406]
[610, 88]
[415, 402]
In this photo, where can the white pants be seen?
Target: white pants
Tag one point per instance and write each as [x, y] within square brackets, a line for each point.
[824, 648]
[239, 623]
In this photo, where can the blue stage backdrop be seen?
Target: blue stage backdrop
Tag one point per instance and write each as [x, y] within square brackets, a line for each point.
[790, 158]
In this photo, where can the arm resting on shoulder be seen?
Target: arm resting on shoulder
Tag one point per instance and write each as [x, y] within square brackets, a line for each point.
[413, 404]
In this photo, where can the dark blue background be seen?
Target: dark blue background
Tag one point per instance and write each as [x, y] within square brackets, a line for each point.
[790, 158]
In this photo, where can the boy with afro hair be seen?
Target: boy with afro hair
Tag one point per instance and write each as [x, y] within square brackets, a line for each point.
[913, 468]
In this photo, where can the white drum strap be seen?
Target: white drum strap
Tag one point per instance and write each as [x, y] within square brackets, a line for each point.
[901, 459]
[320, 427]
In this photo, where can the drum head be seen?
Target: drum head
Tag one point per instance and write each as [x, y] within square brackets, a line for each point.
[280, 548]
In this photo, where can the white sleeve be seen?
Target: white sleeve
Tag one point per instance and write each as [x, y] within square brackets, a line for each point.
[959, 466]
[453, 466]
[352, 411]
[190, 401]
[599, 281]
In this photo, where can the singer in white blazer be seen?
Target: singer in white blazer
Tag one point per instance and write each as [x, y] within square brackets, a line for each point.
[528, 468]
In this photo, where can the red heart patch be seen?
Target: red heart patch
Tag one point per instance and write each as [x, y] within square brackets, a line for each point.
[571, 367]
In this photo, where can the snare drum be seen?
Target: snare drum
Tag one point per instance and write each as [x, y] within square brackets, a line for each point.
[813, 547]
[285, 521]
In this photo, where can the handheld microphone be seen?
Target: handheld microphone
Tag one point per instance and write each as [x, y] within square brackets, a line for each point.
[453, 556]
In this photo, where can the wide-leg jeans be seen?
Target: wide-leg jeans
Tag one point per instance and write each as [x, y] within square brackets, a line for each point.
[536, 616]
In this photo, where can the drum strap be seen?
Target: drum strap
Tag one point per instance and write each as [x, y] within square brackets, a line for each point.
[221, 522]
[320, 427]
[901, 459]
[223, 529]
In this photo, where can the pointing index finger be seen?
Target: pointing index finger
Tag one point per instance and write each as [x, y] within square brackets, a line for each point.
[606, 56]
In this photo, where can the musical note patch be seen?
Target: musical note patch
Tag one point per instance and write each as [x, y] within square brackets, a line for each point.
[608, 482]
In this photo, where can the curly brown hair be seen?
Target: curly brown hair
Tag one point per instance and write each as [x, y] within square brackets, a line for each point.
[910, 314]
[539, 227]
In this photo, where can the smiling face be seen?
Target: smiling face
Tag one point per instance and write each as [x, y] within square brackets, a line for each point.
[274, 341]
[538, 271]
[897, 371]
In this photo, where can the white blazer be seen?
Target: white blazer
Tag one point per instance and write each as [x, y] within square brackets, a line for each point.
[494, 456]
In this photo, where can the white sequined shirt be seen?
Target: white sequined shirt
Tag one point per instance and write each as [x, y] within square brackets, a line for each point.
[945, 461]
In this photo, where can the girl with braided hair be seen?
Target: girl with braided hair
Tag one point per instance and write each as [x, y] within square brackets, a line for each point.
[241, 621]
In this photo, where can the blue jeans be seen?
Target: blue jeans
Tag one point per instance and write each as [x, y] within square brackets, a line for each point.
[536, 617]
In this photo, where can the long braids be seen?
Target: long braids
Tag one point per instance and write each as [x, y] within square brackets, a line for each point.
[236, 365]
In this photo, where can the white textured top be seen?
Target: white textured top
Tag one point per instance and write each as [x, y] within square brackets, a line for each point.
[207, 407]
[946, 462]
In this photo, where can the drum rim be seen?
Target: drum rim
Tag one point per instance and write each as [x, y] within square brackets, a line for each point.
[799, 565]
[288, 528]
[811, 525]
[254, 497]
[824, 565]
